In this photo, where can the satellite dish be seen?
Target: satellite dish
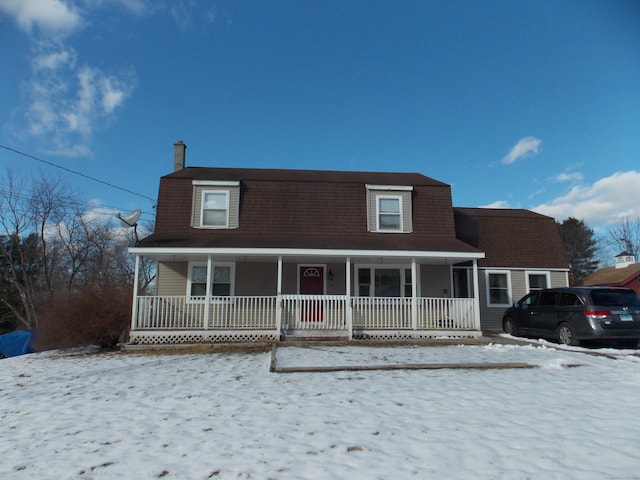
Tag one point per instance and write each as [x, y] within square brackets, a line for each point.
[130, 220]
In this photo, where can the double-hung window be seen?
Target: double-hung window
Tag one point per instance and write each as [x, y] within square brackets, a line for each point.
[389, 213]
[221, 280]
[537, 280]
[215, 209]
[498, 288]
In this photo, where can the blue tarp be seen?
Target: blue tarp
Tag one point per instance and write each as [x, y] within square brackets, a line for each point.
[15, 343]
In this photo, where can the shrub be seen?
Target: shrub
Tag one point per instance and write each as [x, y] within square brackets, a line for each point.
[91, 316]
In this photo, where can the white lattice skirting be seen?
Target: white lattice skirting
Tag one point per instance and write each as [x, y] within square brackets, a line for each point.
[413, 334]
[171, 337]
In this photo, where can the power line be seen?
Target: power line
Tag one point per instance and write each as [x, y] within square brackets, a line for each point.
[33, 157]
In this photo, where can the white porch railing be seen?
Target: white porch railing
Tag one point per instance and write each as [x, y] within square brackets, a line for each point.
[314, 312]
[304, 312]
[189, 313]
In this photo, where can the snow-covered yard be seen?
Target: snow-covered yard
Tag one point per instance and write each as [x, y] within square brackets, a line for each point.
[224, 415]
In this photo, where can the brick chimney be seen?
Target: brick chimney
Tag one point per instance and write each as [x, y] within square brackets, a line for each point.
[179, 155]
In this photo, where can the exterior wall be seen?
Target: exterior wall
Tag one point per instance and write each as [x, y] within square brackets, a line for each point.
[256, 279]
[491, 317]
[434, 280]
[260, 279]
[172, 278]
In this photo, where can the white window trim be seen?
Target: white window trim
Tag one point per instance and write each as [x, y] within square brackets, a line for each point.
[372, 268]
[215, 183]
[232, 279]
[536, 272]
[393, 188]
[488, 287]
[389, 197]
[202, 209]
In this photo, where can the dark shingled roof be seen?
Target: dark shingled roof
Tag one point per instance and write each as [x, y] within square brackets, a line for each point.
[511, 237]
[305, 209]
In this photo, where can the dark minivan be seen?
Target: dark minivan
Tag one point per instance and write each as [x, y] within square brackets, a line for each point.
[573, 314]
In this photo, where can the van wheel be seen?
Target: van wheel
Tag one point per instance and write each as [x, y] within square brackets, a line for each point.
[565, 335]
[509, 326]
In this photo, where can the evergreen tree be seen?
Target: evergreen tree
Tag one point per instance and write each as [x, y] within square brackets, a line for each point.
[580, 246]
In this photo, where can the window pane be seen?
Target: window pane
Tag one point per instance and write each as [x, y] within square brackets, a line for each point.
[214, 217]
[499, 297]
[198, 289]
[221, 275]
[389, 205]
[387, 282]
[221, 290]
[216, 201]
[199, 275]
[537, 281]
[389, 222]
[498, 280]
[364, 275]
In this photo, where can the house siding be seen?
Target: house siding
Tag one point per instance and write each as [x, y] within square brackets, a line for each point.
[256, 279]
[172, 278]
[434, 280]
[491, 317]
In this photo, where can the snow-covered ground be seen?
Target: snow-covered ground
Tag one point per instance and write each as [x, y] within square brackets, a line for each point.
[224, 415]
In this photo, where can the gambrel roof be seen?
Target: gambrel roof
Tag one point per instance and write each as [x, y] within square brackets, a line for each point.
[307, 209]
[512, 237]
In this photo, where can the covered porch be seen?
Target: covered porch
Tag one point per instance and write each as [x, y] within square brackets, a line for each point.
[270, 295]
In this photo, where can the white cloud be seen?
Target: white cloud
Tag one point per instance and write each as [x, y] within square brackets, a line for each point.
[605, 201]
[526, 146]
[497, 204]
[68, 102]
[569, 177]
[54, 17]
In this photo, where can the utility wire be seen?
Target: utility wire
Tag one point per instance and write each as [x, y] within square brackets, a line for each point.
[77, 173]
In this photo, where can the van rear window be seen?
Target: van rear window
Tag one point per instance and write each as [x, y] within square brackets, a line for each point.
[615, 298]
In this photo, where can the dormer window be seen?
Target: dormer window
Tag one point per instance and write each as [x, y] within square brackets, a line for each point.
[215, 209]
[389, 213]
[215, 204]
[389, 208]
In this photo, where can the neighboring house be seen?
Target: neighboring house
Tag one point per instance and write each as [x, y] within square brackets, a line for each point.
[299, 252]
[523, 252]
[626, 273]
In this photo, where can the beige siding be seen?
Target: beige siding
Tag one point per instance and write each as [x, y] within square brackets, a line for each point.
[372, 208]
[172, 278]
[256, 279]
[435, 280]
[234, 203]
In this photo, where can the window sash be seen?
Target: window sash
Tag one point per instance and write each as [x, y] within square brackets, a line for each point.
[392, 282]
[389, 214]
[498, 289]
[215, 209]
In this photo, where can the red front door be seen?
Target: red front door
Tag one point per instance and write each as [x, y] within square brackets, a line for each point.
[312, 283]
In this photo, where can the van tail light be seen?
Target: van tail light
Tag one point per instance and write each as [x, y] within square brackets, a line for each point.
[597, 313]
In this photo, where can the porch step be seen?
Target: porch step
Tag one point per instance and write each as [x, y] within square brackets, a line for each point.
[295, 335]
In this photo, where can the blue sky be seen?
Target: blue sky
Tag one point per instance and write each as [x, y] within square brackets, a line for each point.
[530, 104]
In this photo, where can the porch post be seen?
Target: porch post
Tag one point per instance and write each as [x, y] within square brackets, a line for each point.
[279, 299]
[476, 295]
[414, 295]
[134, 307]
[348, 299]
[207, 303]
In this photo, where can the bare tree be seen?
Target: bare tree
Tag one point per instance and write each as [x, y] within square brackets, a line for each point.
[624, 236]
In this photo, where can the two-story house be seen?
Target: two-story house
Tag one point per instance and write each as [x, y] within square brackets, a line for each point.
[246, 254]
